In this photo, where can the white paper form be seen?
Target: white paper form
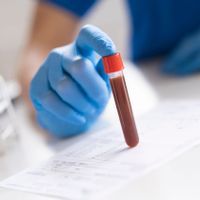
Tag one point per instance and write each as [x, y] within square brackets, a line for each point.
[96, 163]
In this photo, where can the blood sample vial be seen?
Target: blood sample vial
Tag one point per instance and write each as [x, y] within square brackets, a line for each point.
[113, 66]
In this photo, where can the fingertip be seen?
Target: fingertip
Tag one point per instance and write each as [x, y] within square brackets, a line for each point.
[106, 47]
[94, 38]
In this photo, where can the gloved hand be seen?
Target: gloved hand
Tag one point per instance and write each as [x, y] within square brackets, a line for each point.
[70, 90]
[185, 59]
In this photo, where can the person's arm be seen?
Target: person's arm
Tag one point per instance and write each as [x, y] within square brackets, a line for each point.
[52, 27]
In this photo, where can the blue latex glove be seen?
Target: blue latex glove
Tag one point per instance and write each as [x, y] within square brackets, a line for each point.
[185, 59]
[70, 90]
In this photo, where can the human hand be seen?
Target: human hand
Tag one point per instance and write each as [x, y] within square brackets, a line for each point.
[185, 59]
[70, 90]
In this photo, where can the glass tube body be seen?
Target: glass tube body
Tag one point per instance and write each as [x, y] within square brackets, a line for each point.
[124, 108]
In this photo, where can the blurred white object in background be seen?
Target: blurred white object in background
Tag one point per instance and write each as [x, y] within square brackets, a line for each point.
[8, 121]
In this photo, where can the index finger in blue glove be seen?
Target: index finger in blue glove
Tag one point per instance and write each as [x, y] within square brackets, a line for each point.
[65, 87]
[91, 38]
[84, 73]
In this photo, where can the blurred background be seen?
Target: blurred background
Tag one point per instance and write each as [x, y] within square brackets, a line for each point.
[16, 18]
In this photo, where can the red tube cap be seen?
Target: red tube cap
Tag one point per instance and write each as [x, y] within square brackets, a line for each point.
[113, 63]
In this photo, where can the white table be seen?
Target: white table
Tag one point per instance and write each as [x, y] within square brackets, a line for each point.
[179, 179]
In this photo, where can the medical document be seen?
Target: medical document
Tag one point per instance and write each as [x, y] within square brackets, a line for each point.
[99, 162]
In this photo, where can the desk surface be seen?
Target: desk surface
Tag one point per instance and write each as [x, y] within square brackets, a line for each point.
[178, 179]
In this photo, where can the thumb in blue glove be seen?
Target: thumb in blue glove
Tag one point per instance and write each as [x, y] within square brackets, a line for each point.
[70, 89]
[185, 59]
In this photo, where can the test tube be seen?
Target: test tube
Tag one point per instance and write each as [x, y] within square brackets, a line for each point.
[113, 66]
